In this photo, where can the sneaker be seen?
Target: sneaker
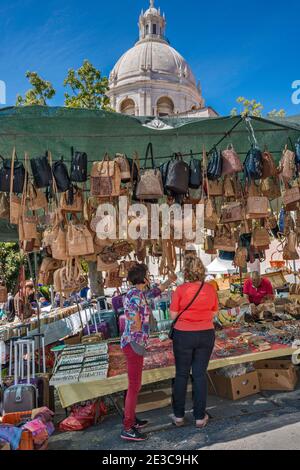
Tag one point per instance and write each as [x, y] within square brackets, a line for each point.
[133, 435]
[140, 423]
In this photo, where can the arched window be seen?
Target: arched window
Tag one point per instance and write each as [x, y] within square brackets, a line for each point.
[165, 106]
[147, 29]
[128, 107]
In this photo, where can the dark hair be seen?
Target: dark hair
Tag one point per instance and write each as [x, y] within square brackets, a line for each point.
[137, 274]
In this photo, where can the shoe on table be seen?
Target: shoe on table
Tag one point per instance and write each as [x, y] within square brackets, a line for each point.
[133, 434]
[140, 423]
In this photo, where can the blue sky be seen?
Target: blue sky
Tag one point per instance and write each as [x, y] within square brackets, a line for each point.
[234, 48]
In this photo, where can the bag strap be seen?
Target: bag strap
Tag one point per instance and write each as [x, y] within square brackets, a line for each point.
[149, 150]
[12, 171]
[190, 304]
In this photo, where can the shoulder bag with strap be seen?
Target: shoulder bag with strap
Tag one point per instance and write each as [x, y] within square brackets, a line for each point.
[171, 332]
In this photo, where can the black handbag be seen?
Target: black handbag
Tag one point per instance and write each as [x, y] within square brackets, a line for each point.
[61, 176]
[215, 164]
[253, 164]
[78, 172]
[133, 170]
[195, 177]
[164, 172]
[18, 176]
[171, 332]
[297, 152]
[177, 180]
[41, 171]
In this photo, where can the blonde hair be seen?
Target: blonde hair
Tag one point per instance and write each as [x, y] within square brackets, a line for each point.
[194, 269]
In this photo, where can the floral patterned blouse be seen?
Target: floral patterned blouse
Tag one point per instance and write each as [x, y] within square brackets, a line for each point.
[137, 311]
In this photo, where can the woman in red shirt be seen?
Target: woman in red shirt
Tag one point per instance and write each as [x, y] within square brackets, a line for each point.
[194, 338]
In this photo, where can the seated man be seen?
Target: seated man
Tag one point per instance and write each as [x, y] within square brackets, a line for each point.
[258, 289]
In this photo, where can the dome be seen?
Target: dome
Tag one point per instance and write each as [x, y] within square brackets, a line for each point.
[158, 58]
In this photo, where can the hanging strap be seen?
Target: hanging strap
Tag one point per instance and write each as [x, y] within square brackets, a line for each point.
[12, 171]
[149, 150]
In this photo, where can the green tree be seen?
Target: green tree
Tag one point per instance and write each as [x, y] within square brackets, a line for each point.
[10, 262]
[254, 108]
[88, 88]
[39, 94]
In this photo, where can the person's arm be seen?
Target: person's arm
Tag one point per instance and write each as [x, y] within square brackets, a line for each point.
[174, 307]
[270, 291]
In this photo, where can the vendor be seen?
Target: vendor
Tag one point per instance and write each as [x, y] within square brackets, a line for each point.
[258, 289]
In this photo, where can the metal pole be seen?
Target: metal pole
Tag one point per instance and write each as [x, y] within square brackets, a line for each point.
[38, 307]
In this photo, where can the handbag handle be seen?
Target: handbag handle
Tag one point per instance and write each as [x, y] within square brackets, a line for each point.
[149, 150]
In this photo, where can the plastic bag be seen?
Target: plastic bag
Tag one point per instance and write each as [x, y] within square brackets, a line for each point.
[83, 416]
[236, 370]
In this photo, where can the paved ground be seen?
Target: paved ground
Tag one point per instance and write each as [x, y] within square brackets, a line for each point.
[269, 420]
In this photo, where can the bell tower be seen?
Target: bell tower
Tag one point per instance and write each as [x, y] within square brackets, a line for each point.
[152, 24]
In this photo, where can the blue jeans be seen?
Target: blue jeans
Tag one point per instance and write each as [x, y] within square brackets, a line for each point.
[192, 350]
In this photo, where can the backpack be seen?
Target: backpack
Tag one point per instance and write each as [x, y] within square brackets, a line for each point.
[215, 166]
[61, 176]
[177, 180]
[78, 171]
[18, 175]
[253, 164]
[195, 176]
[41, 171]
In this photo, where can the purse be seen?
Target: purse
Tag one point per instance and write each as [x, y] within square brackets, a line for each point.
[231, 162]
[257, 207]
[224, 239]
[291, 195]
[79, 240]
[12, 168]
[72, 200]
[232, 212]
[268, 165]
[4, 206]
[61, 176]
[59, 244]
[172, 328]
[253, 164]
[240, 258]
[106, 267]
[37, 199]
[177, 180]
[195, 173]
[41, 171]
[211, 218]
[123, 163]
[228, 187]
[290, 252]
[149, 184]
[105, 178]
[287, 166]
[260, 238]
[215, 187]
[270, 187]
[78, 170]
[209, 245]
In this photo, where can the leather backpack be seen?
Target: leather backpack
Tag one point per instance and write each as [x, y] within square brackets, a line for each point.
[177, 180]
[105, 178]
[41, 171]
[18, 170]
[268, 165]
[195, 177]
[231, 161]
[123, 163]
[253, 164]
[78, 171]
[61, 176]
[287, 167]
[214, 167]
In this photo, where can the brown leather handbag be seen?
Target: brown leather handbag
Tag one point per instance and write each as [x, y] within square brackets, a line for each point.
[79, 240]
[228, 187]
[231, 161]
[257, 207]
[106, 267]
[149, 184]
[72, 200]
[270, 187]
[290, 252]
[287, 166]
[59, 244]
[209, 245]
[232, 212]
[123, 163]
[105, 178]
[211, 217]
[215, 187]
[268, 165]
[260, 238]
[240, 258]
[37, 199]
[47, 268]
[291, 195]
[224, 239]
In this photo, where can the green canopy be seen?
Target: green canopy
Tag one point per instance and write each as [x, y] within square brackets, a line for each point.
[34, 129]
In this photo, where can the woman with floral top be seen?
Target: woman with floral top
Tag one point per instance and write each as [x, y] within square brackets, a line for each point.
[134, 342]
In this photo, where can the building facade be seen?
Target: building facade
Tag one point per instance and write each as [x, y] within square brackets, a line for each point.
[152, 78]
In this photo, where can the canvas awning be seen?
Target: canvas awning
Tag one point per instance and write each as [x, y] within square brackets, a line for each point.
[218, 266]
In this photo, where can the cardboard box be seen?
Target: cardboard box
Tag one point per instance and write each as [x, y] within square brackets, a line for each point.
[276, 374]
[233, 388]
[153, 401]
[75, 339]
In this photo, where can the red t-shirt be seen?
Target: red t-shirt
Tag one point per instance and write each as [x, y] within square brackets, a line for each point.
[256, 296]
[200, 314]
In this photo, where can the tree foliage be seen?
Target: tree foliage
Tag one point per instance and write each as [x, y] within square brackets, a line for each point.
[39, 94]
[254, 108]
[88, 88]
[10, 261]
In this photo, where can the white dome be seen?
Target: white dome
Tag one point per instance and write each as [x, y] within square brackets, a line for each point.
[156, 57]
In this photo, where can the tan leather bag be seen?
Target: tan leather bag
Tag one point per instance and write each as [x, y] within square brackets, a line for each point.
[228, 187]
[224, 239]
[232, 212]
[105, 178]
[3, 294]
[240, 258]
[59, 245]
[260, 238]
[290, 252]
[47, 268]
[149, 185]
[27, 227]
[287, 165]
[4, 206]
[76, 205]
[215, 188]
[269, 166]
[270, 188]
[291, 195]
[211, 217]
[37, 199]
[123, 163]
[113, 280]
[106, 267]
[209, 245]
[257, 207]
[79, 240]
[231, 161]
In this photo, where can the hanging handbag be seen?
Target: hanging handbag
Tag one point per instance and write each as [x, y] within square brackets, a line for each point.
[123, 163]
[3, 298]
[290, 252]
[291, 195]
[297, 152]
[268, 165]
[195, 173]
[231, 161]
[211, 218]
[270, 187]
[4, 206]
[61, 176]
[106, 267]
[78, 171]
[253, 165]
[177, 180]
[47, 268]
[171, 332]
[232, 212]
[257, 207]
[59, 245]
[79, 240]
[149, 185]
[16, 168]
[240, 258]
[41, 171]
[27, 221]
[134, 168]
[287, 166]
[215, 187]
[37, 199]
[224, 239]
[105, 178]
[214, 167]
[209, 245]
[260, 238]
[113, 280]
[72, 200]
[228, 187]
